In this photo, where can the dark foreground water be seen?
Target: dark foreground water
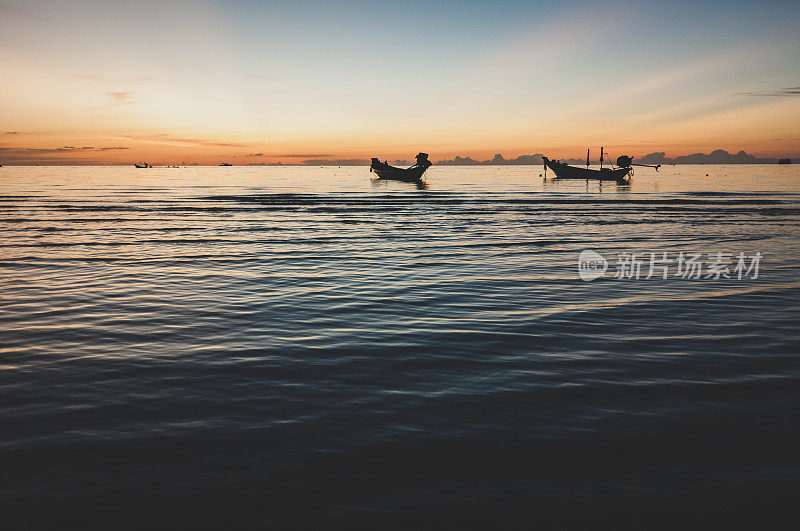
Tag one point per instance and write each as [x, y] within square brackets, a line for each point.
[300, 347]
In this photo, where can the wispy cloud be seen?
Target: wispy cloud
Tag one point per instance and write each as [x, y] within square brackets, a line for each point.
[336, 162]
[167, 139]
[123, 98]
[12, 132]
[260, 76]
[291, 155]
[62, 149]
[115, 79]
[788, 91]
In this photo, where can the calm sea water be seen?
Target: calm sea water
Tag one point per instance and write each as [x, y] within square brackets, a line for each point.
[298, 347]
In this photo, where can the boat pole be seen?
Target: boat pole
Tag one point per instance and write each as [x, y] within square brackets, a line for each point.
[601, 158]
[587, 158]
[657, 166]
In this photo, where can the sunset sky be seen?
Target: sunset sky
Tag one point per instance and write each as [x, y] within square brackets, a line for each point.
[110, 82]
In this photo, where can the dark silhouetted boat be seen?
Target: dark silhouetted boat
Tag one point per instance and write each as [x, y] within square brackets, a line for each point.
[622, 173]
[412, 174]
[142, 165]
[226, 164]
[565, 171]
[785, 161]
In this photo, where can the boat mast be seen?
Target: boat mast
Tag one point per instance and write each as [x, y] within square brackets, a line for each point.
[587, 158]
[601, 158]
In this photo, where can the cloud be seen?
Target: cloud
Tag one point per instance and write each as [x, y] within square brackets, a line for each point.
[12, 132]
[58, 150]
[292, 155]
[115, 79]
[338, 162]
[788, 91]
[62, 149]
[123, 98]
[166, 139]
[259, 76]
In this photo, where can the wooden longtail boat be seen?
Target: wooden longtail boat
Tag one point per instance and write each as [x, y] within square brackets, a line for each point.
[621, 174]
[412, 174]
[564, 171]
[142, 165]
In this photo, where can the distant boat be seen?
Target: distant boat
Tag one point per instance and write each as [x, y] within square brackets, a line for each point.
[621, 174]
[226, 164]
[412, 174]
[785, 161]
[142, 165]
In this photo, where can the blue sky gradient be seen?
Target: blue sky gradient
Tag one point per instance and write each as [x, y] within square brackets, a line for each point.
[353, 78]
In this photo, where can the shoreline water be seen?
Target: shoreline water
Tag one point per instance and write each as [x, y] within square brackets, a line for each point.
[301, 346]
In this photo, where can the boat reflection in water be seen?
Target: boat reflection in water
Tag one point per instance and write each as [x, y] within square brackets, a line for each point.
[419, 185]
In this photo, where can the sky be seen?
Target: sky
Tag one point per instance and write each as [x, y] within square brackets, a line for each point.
[111, 82]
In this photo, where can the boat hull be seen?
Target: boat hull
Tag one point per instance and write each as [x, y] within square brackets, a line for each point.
[564, 171]
[384, 171]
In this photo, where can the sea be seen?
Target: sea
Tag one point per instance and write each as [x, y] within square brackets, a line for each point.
[308, 348]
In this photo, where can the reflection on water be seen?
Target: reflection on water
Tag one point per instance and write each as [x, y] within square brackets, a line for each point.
[307, 345]
[388, 183]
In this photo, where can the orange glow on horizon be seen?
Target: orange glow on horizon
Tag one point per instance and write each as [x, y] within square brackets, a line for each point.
[88, 84]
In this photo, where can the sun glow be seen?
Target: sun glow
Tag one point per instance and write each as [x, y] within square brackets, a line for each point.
[103, 83]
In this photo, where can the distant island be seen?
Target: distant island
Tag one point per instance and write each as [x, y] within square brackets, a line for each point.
[62, 155]
[718, 156]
